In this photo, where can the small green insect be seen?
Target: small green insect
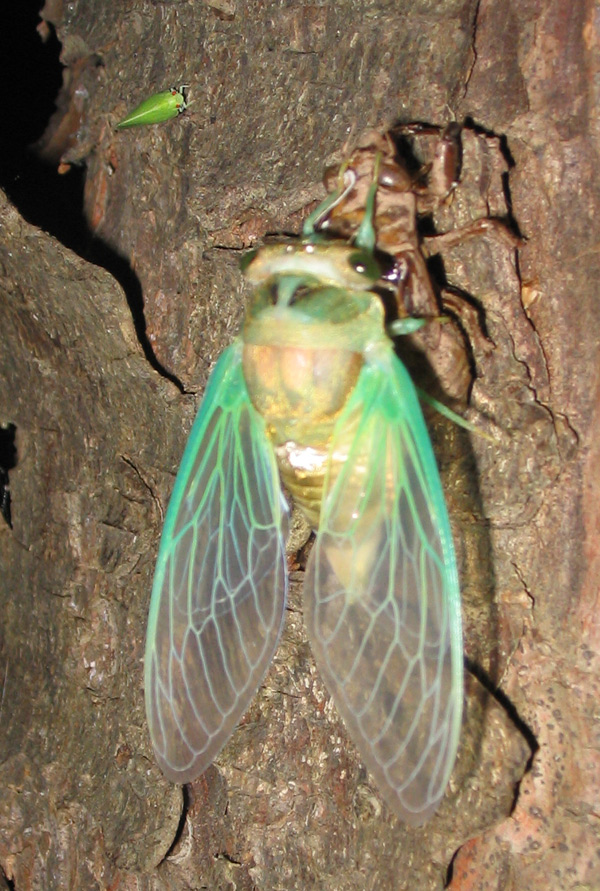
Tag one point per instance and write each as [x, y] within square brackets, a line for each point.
[311, 394]
[158, 108]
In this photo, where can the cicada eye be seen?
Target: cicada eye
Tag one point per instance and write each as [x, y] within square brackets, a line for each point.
[247, 259]
[392, 270]
[393, 177]
[365, 264]
[300, 294]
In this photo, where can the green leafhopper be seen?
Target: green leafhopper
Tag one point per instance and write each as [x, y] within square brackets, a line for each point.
[157, 108]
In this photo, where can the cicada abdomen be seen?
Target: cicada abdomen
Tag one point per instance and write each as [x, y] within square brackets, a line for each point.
[311, 392]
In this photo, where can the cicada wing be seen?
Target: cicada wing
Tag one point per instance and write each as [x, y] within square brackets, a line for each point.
[382, 599]
[220, 583]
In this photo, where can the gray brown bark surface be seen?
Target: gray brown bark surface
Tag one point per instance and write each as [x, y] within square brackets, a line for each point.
[278, 90]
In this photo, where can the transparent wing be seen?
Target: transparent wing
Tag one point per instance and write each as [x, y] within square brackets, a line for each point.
[220, 582]
[382, 598]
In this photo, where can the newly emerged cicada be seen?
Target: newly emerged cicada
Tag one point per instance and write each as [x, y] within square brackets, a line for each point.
[311, 394]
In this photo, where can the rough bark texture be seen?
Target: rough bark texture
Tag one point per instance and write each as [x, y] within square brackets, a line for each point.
[99, 428]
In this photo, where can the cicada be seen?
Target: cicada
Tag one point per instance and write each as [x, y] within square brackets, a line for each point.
[157, 108]
[311, 396]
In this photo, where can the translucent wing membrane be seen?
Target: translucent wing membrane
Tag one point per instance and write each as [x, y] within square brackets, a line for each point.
[382, 598]
[220, 584]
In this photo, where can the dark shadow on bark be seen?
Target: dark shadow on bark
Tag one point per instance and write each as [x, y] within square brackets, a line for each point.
[8, 461]
[54, 203]
[46, 198]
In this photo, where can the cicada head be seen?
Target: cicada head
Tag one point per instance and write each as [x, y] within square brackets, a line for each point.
[334, 262]
[317, 295]
[319, 290]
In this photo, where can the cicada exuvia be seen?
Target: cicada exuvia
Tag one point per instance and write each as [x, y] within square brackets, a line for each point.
[311, 394]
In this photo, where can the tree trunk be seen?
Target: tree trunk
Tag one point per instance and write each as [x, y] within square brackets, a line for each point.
[102, 370]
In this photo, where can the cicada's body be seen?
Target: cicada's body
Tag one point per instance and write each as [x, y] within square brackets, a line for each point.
[313, 394]
[157, 108]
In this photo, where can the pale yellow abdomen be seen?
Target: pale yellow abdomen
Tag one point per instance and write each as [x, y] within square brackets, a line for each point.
[300, 393]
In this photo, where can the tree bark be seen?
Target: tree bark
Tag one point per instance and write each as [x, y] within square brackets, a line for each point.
[101, 373]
